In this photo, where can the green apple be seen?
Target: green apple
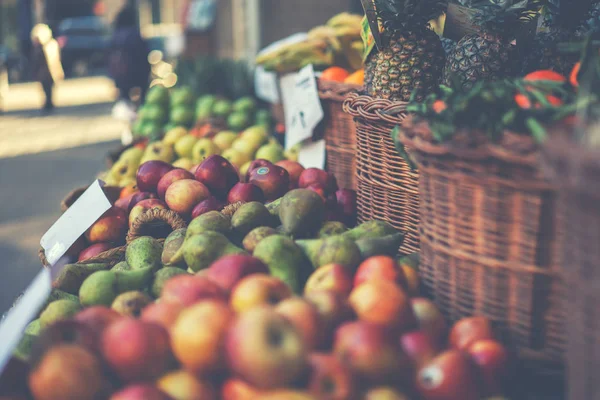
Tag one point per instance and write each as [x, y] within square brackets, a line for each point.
[182, 115]
[263, 117]
[158, 151]
[238, 121]
[256, 136]
[204, 107]
[222, 108]
[203, 148]
[245, 104]
[185, 163]
[137, 127]
[183, 95]
[173, 135]
[271, 152]
[185, 145]
[292, 153]
[132, 155]
[244, 146]
[150, 129]
[158, 95]
[237, 158]
[155, 113]
[225, 139]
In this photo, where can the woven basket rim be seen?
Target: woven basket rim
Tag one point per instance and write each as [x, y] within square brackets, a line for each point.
[108, 256]
[69, 198]
[336, 91]
[360, 105]
[170, 217]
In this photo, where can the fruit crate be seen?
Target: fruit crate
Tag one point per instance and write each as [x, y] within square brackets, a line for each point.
[489, 238]
[340, 132]
[387, 186]
[576, 172]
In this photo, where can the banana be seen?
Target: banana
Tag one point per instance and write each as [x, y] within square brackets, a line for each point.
[321, 32]
[345, 19]
[342, 31]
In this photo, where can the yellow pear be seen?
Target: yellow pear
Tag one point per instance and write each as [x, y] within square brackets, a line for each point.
[237, 158]
[158, 151]
[173, 135]
[255, 136]
[225, 139]
[185, 163]
[244, 168]
[133, 155]
[185, 145]
[245, 147]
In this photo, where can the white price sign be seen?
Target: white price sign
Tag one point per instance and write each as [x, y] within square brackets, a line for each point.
[265, 85]
[312, 154]
[304, 110]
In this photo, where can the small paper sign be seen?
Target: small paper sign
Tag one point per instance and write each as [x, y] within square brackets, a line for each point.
[74, 222]
[312, 154]
[265, 85]
[304, 105]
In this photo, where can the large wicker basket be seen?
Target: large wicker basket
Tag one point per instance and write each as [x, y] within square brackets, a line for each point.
[340, 132]
[112, 194]
[387, 187]
[489, 238]
[576, 171]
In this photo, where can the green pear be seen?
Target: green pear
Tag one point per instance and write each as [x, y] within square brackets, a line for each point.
[131, 304]
[34, 327]
[236, 157]
[332, 250]
[249, 216]
[370, 229]
[121, 266]
[144, 252]
[381, 246]
[253, 238]
[23, 349]
[162, 276]
[58, 310]
[158, 151]
[285, 260]
[302, 213]
[200, 251]
[411, 260]
[271, 152]
[57, 294]
[72, 276]
[173, 135]
[225, 139]
[331, 228]
[172, 244]
[102, 287]
[210, 221]
[184, 146]
[292, 153]
[273, 207]
[204, 148]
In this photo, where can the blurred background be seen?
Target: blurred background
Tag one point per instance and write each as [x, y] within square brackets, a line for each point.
[43, 155]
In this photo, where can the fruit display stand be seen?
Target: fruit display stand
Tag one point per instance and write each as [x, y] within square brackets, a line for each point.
[339, 132]
[387, 186]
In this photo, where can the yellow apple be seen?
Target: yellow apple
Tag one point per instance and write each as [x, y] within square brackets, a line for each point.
[172, 136]
[204, 148]
[184, 146]
[184, 163]
[237, 158]
[225, 139]
[158, 151]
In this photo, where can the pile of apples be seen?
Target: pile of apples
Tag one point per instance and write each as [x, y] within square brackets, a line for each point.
[209, 186]
[233, 332]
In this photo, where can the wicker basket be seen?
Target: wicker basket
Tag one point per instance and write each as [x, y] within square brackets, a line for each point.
[111, 192]
[576, 172]
[489, 238]
[387, 187]
[340, 132]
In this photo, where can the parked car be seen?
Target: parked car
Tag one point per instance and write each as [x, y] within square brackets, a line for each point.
[84, 43]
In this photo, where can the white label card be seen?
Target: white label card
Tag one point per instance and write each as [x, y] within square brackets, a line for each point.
[304, 105]
[312, 154]
[265, 85]
[74, 222]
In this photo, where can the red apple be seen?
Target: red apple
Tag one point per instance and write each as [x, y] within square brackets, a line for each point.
[469, 330]
[189, 289]
[194, 169]
[258, 290]
[318, 189]
[110, 227]
[174, 175]
[94, 250]
[209, 204]
[238, 389]
[255, 164]
[493, 362]
[430, 319]
[380, 267]
[182, 196]
[144, 206]
[65, 331]
[136, 350]
[161, 313]
[333, 277]
[273, 180]
[123, 203]
[330, 378]
[372, 352]
[265, 349]
[140, 196]
[76, 248]
[229, 270]
[128, 190]
[333, 308]
[140, 391]
[312, 176]
[218, 175]
[293, 168]
[346, 204]
[449, 376]
[97, 318]
[306, 319]
[419, 347]
[150, 173]
[245, 192]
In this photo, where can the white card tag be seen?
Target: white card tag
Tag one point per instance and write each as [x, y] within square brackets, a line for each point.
[16, 320]
[305, 108]
[74, 222]
[265, 85]
[312, 154]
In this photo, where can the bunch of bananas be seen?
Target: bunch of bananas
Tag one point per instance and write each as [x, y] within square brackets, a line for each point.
[336, 43]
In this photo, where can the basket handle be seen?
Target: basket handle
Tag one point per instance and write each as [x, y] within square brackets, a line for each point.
[111, 257]
[154, 215]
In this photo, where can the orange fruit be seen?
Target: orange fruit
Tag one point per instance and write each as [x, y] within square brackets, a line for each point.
[336, 74]
[545, 75]
[357, 78]
[573, 78]
[439, 106]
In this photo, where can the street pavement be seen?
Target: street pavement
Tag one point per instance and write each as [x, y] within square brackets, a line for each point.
[42, 158]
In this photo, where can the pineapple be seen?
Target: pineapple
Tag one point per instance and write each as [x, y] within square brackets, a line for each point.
[488, 54]
[565, 21]
[412, 56]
